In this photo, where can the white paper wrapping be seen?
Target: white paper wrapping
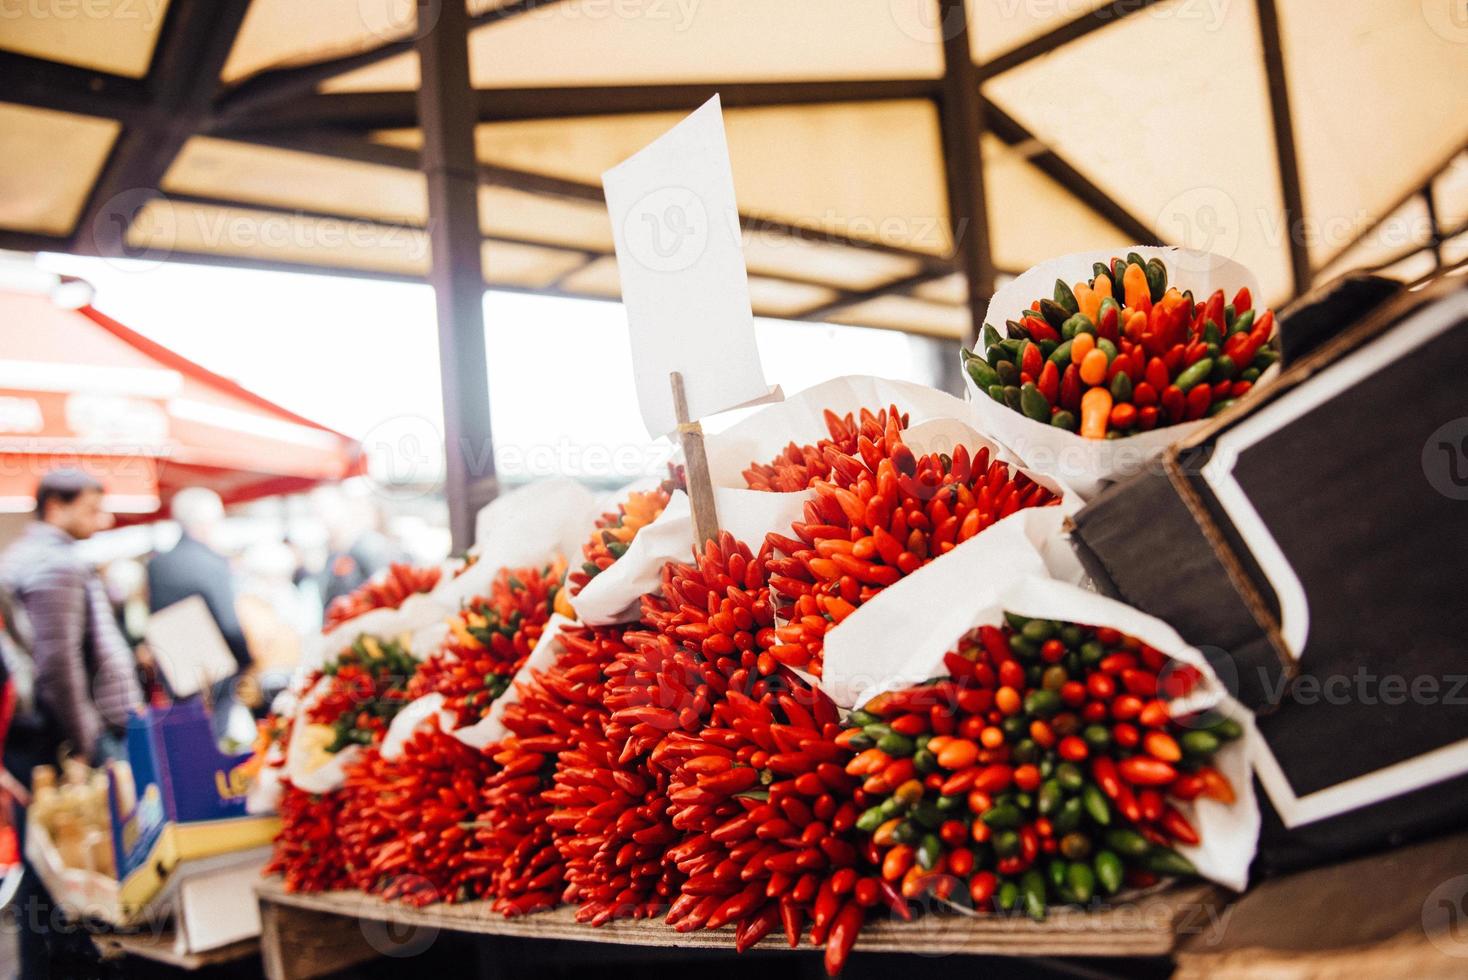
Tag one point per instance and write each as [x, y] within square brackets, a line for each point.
[491, 728]
[487, 730]
[899, 638]
[615, 596]
[1088, 464]
[406, 722]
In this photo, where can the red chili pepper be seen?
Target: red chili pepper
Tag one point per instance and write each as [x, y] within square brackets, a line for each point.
[843, 936]
[1143, 771]
[1049, 382]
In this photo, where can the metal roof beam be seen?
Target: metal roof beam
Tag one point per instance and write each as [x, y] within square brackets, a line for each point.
[1064, 34]
[1054, 166]
[1284, 147]
[962, 118]
[398, 110]
[45, 84]
[193, 44]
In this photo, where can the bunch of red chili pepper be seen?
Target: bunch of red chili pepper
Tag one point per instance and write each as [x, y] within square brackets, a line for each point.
[769, 816]
[557, 711]
[799, 467]
[489, 641]
[387, 592]
[615, 531]
[308, 854]
[883, 514]
[366, 687]
[406, 825]
[1125, 353]
[1044, 769]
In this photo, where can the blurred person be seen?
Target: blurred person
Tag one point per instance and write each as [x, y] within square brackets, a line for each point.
[359, 547]
[85, 675]
[127, 589]
[194, 568]
[83, 680]
[276, 613]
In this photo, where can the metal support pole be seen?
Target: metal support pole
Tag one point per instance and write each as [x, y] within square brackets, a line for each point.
[962, 120]
[446, 113]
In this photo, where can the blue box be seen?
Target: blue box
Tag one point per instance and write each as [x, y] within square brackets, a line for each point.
[188, 802]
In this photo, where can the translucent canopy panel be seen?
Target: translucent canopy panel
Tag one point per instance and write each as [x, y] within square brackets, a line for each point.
[1167, 111]
[48, 163]
[1455, 250]
[998, 26]
[164, 227]
[284, 33]
[1450, 191]
[598, 278]
[784, 167]
[114, 36]
[528, 266]
[777, 297]
[952, 290]
[250, 174]
[557, 221]
[909, 314]
[1031, 217]
[792, 257]
[1410, 269]
[1379, 93]
[623, 42]
[280, 33]
[1406, 228]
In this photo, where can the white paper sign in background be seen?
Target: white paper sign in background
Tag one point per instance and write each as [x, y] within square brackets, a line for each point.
[676, 227]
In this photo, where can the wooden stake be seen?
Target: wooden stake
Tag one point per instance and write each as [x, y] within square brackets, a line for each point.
[700, 484]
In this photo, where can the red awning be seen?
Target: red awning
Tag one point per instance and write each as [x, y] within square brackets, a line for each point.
[78, 388]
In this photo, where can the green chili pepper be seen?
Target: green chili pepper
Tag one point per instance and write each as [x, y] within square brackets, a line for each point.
[1032, 892]
[1096, 806]
[982, 373]
[1127, 843]
[1065, 297]
[1165, 861]
[1109, 871]
[1194, 375]
[1156, 278]
[1033, 403]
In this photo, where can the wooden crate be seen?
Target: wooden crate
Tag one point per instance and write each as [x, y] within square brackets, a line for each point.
[312, 935]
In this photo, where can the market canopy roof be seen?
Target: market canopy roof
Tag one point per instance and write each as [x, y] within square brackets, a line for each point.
[80, 389]
[285, 134]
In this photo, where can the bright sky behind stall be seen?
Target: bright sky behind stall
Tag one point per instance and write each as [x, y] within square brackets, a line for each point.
[361, 356]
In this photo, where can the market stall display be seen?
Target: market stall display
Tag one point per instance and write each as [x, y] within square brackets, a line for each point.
[688, 764]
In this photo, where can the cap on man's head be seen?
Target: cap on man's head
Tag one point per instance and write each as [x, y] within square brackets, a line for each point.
[63, 485]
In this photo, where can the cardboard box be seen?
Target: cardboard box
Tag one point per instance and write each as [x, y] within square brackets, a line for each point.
[186, 802]
[1314, 543]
